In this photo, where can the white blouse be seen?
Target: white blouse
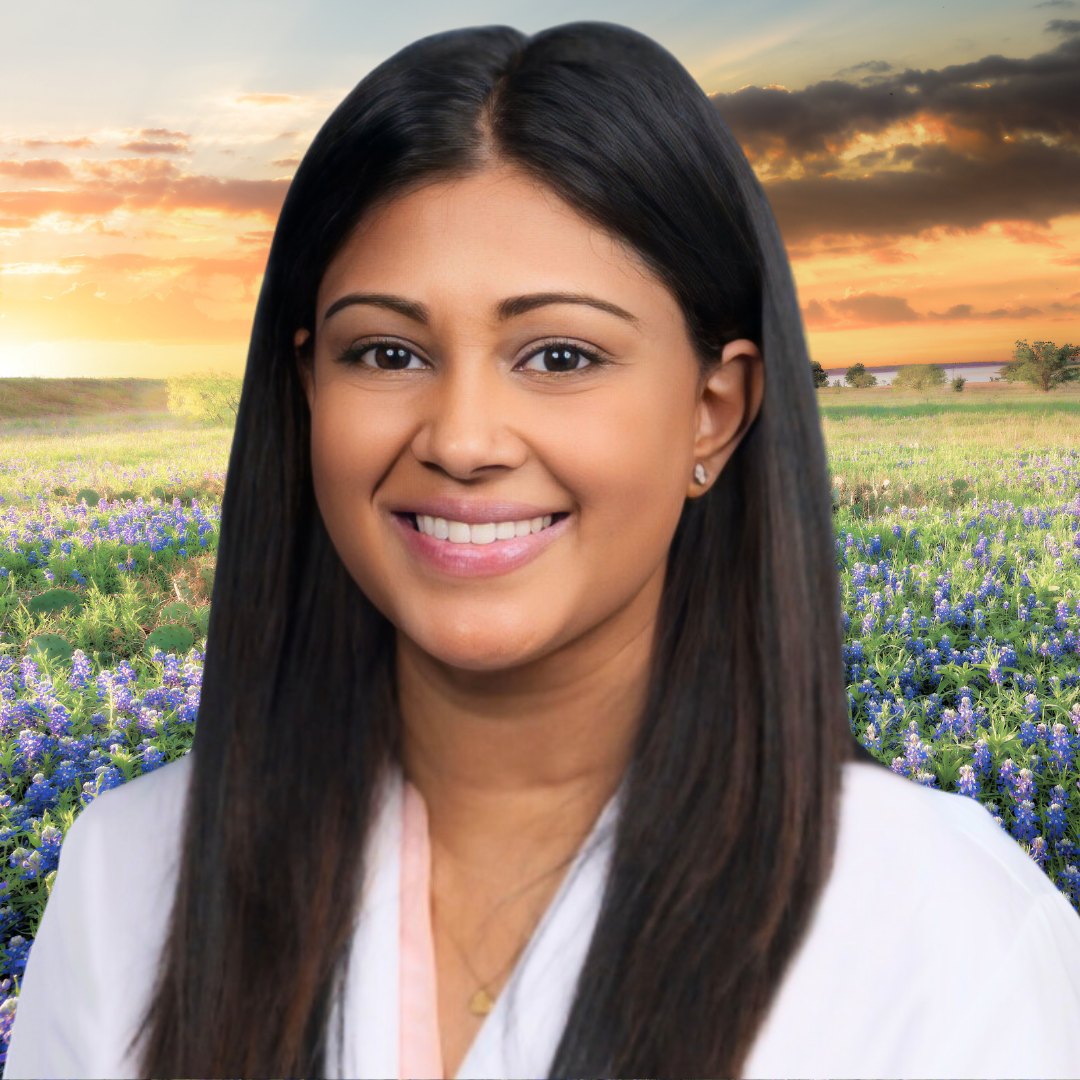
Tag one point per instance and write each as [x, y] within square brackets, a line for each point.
[938, 949]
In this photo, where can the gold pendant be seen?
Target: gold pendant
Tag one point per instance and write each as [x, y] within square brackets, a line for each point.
[481, 1003]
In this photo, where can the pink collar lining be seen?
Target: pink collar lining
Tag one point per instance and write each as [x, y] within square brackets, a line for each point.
[420, 1054]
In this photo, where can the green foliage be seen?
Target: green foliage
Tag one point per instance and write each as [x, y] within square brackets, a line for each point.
[819, 374]
[89, 496]
[211, 397]
[919, 377]
[1044, 364]
[958, 383]
[859, 377]
[54, 600]
[49, 647]
[170, 637]
[111, 625]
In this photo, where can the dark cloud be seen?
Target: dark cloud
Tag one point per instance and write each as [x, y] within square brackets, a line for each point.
[873, 309]
[1005, 145]
[966, 311]
[1024, 181]
[1063, 26]
[1057, 3]
[874, 67]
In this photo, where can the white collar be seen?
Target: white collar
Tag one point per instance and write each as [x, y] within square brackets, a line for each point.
[521, 1034]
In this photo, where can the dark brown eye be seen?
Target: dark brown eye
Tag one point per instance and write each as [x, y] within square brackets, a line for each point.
[559, 358]
[387, 355]
[392, 357]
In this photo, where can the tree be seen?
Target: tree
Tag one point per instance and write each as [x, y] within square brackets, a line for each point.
[919, 377]
[859, 377]
[1044, 364]
[210, 396]
[958, 383]
[820, 376]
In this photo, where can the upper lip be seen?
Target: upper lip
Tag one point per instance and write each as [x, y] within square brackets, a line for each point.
[474, 511]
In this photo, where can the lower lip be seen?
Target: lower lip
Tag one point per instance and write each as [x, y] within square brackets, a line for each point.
[478, 560]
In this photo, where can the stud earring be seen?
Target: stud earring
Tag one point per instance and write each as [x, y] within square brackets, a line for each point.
[699, 473]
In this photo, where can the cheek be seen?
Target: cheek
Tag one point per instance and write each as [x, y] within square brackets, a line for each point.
[628, 466]
[348, 456]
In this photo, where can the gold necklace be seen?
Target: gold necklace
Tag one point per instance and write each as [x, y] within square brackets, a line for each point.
[481, 1000]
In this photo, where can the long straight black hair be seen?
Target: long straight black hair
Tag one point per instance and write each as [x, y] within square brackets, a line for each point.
[730, 815]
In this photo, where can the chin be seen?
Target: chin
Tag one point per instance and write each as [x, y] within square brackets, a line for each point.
[482, 648]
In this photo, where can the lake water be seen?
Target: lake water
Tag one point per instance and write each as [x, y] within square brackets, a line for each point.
[885, 375]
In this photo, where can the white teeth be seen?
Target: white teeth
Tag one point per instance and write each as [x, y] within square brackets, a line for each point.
[458, 532]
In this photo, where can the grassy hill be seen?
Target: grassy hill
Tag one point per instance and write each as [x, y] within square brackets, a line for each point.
[30, 398]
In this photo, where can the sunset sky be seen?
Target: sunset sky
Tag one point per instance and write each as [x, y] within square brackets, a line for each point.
[923, 161]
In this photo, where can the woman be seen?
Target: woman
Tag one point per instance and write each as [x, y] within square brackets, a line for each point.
[523, 747]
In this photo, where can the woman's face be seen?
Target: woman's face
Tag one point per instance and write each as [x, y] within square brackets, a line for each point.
[467, 395]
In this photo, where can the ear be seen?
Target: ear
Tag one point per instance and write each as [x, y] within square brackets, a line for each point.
[305, 363]
[728, 402]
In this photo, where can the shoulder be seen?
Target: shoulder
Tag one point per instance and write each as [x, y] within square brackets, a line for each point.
[145, 810]
[84, 984]
[122, 852]
[932, 844]
[928, 902]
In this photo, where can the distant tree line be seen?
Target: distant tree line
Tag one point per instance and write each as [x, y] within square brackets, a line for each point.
[1044, 365]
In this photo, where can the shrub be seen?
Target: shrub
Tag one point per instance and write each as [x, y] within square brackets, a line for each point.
[859, 377]
[919, 377]
[211, 397]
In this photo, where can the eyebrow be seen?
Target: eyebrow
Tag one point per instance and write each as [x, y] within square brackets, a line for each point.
[508, 308]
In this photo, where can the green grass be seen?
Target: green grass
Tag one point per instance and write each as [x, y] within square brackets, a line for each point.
[134, 453]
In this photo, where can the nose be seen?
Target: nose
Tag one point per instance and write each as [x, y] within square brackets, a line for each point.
[468, 418]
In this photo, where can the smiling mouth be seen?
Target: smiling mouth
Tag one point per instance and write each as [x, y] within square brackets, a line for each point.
[459, 532]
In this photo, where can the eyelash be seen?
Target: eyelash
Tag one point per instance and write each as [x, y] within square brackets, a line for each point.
[352, 355]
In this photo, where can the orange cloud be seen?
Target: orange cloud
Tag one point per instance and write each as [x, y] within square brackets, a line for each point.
[134, 265]
[268, 99]
[157, 141]
[144, 146]
[82, 143]
[36, 169]
[144, 185]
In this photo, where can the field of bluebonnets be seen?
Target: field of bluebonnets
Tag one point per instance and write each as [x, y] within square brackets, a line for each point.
[957, 540]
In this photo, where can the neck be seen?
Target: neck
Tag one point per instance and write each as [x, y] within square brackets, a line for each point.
[518, 763]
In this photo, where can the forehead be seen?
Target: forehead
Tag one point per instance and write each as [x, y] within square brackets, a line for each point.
[499, 230]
